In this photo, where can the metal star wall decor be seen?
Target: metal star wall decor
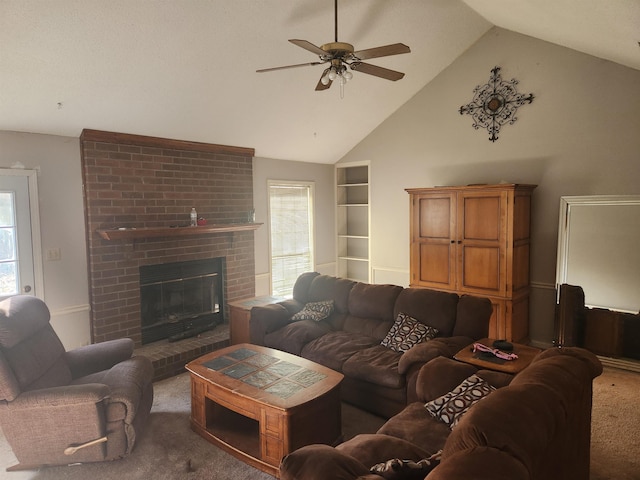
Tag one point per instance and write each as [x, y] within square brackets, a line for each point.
[495, 103]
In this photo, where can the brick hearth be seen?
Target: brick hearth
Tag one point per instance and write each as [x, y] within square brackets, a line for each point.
[133, 181]
[169, 358]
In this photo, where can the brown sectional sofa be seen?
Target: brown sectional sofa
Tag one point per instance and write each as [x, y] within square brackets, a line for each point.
[376, 378]
[535, 426]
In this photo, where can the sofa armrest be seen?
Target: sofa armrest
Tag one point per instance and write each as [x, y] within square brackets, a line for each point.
[321, 462]
[98, 356]
[425, 351]
[479, 463]
[440, 376]
[266, 319]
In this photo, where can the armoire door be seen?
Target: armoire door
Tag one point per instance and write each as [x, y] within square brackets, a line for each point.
[433, 244]
[481, 241]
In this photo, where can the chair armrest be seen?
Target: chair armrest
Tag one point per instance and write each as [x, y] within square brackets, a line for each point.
[56, 397]
[126, 382]
[98, 356]
[266, 319]
[40, 424]
[425, 351]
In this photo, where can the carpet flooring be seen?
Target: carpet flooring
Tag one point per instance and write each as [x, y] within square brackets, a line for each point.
[168, 449]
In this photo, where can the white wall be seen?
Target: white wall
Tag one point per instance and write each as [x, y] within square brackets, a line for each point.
[580, 136]
[265, 169]
[57, 160]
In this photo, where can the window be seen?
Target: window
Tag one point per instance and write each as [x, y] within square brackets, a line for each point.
[291, 221]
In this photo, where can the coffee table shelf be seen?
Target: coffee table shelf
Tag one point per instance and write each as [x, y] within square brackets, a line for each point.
[259, 404]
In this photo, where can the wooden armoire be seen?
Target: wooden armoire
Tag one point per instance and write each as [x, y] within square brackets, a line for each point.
[475, 240]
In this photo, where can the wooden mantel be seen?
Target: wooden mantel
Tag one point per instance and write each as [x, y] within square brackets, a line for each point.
[138, 233]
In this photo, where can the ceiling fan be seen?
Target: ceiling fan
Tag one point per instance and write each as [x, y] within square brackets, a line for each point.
[341, 55]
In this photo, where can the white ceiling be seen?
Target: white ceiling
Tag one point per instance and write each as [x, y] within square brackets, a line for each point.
[185, 69]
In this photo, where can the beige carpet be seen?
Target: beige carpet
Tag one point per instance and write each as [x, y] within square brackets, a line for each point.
[169, 450]
[615, 426]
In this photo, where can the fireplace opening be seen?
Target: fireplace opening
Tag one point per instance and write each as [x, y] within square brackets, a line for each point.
[181, 299]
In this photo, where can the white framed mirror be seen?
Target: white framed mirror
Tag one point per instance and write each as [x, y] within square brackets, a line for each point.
[599, 249]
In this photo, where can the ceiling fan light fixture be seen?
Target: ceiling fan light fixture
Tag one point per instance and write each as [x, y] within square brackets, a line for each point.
[341, 56]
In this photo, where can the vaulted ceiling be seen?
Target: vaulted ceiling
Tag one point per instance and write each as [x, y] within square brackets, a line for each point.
[186, 69]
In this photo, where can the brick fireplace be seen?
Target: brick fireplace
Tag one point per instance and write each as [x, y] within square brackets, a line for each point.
[138, 193]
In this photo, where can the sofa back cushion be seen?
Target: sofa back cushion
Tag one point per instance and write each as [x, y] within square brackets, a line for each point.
[431, 307]
[302, 286]
[326, 287]
[371, 309]
[472, 317]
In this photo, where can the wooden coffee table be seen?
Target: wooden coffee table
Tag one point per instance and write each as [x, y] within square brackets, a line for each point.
[259, 404]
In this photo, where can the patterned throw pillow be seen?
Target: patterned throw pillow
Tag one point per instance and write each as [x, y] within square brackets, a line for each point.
[406, 332]
[314, 311]
[451, 406]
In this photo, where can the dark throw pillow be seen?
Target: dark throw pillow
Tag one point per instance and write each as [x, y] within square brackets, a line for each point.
[406, 332]
[314, 311]
[396, 469]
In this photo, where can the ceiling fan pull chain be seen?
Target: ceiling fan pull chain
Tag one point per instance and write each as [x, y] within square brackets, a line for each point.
[336, 18]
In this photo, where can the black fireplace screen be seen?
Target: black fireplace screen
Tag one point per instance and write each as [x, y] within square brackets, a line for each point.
[180, 299]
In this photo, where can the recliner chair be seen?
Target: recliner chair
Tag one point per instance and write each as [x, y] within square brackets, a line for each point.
[56, 407]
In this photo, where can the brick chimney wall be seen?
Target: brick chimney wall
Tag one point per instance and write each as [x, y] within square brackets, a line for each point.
[137, 181]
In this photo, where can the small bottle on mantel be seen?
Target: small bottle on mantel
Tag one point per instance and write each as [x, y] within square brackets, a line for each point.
[194, 217]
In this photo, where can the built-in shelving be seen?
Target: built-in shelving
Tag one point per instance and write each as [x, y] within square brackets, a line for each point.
[353, 220]
[139, 233]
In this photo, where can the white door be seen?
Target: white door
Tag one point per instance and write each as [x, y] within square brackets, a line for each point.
[18, 212]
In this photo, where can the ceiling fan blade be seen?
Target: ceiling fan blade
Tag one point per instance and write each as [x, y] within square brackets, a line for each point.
[377, 71]
[320, 86]
[289, 66]
[393, 49]
[308, 46]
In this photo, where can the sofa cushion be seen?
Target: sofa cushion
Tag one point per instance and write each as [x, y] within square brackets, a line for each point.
[431, 307]
[406, 332]
[415, 425]
[452, 406]
[377, 365]
[316, 311]
[334, 348]
[472, 317]
[374, 301]
[302, 286]
[293, 337]
[320, 462]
